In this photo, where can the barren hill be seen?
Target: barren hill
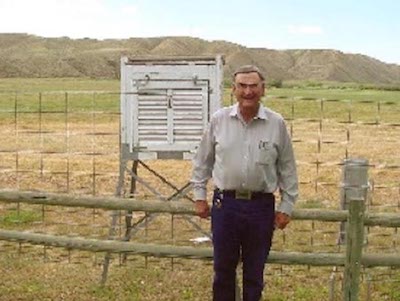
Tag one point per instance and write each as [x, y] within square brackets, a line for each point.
[23, 55]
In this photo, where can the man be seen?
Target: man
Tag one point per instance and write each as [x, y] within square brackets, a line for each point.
[247, 151]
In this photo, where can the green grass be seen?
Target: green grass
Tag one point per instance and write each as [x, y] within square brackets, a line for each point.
[341, 105]
[35, 85]
[353, 94]
[57, 84]
[90, 95]
[21, 217]
[61, 102]
[59, 95]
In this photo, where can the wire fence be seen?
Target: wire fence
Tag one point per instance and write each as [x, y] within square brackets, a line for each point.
[68, 142]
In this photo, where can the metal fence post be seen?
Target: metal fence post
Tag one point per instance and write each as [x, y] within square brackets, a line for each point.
[354, 186]
[353, 198]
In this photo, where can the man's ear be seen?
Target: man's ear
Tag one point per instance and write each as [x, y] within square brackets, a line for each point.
[263, 89]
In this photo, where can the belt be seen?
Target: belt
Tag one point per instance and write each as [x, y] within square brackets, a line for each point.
[244, 194]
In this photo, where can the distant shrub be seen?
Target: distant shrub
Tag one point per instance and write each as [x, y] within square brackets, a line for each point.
[314, 84]
[275, 83]
[382, 87]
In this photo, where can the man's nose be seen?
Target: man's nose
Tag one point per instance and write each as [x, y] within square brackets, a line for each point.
[248, 90]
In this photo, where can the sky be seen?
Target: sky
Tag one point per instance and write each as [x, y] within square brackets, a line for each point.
[370, 27]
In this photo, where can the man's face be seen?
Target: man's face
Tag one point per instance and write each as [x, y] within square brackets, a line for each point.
[248, 89]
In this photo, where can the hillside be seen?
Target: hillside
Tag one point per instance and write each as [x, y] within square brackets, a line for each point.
[23, 55]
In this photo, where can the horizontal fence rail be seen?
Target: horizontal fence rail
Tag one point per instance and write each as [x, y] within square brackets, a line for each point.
[112, 246]
[107, 203]
[176, 207]
[352, 259]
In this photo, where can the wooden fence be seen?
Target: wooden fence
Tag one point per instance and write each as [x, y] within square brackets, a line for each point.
[352, 260]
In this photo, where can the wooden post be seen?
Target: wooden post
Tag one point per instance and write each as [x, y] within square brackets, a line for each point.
[354, 238]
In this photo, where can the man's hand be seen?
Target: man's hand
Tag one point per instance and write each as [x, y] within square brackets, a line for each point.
[281, 220]
[202, 208]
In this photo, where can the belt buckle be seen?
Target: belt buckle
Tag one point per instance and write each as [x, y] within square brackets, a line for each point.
[243, 194]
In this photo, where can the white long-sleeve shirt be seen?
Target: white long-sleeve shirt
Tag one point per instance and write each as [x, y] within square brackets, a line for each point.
[256, 156]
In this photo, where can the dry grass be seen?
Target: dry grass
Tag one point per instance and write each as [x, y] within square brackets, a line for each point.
[65, 157]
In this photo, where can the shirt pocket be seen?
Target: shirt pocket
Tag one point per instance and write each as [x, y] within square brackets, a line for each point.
[266, 155]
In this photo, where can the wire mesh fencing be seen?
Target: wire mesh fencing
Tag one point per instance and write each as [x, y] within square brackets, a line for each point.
[68, 142]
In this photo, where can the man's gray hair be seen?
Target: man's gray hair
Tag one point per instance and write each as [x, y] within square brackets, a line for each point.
[248, 69]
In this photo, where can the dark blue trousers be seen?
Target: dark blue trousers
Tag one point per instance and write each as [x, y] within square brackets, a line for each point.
[241, 229]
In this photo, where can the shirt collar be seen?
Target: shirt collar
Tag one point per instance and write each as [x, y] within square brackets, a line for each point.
[260, 114]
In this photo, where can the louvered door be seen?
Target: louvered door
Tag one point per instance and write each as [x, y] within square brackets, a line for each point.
[169, 115]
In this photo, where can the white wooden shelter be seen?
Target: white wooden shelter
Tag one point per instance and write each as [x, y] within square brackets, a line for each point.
[166, 104]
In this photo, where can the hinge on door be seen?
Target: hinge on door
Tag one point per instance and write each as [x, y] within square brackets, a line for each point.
[141, 82]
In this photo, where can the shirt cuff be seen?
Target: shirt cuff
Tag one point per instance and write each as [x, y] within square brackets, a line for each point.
[200, 194]
[286, 207]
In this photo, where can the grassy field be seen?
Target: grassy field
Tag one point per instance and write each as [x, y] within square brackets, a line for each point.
[57, 84]
[338, 94]
[85, 84]
[87, 95]
[69, 143]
